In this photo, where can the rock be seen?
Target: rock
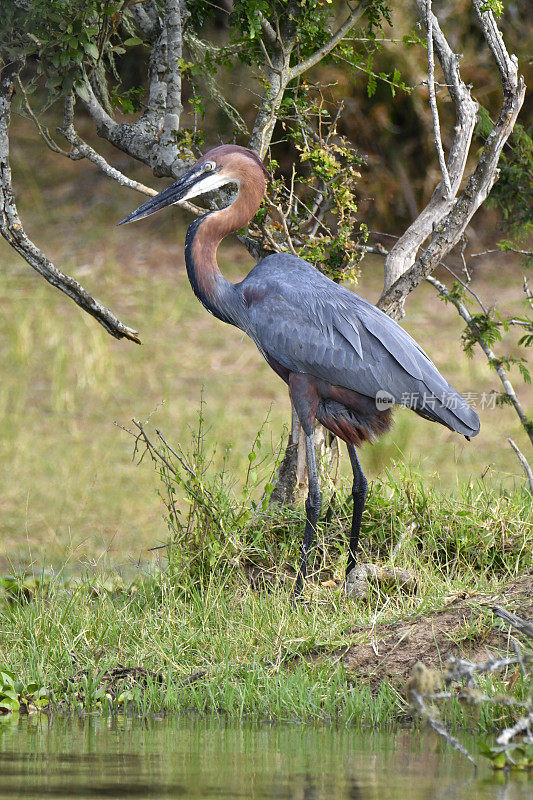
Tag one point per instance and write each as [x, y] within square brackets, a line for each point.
[386, 578]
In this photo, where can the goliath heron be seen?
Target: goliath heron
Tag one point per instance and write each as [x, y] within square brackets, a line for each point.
[345, 362]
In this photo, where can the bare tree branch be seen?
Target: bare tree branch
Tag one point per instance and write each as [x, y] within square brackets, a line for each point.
[330, 45]
[499, 250]
[173, 107]
[508, 65]
[523, 725]
[461, 679]
[433, 100]
[268, 31]
[13, 232]
[80, 149]
[146, 17]
[404, 252]
[132, 138]
[527, 469]
[493, 360]
[43, 130]
[151, 138]
[525, 626]
[450, 228]
[429, 714]
[278, 76]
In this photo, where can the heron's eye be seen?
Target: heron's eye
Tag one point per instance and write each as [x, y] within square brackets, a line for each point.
[209, 166]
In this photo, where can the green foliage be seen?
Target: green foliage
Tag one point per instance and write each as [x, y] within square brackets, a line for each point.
[22, 587]
[513, 193]
[496, 6]
[361, 56]
[219, 605]
[476, 532]
[221, 527]
[487, 328]
[129, 101]
[482, 326]
[18, 696]
[313, 212]
[307, 20]
[66, 38]
[471, 533]
[255, 652]
[515, 755]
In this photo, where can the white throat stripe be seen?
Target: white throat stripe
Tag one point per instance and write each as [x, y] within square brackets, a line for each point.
[207, 184]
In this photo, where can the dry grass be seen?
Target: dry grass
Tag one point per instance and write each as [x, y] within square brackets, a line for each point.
[68, 488]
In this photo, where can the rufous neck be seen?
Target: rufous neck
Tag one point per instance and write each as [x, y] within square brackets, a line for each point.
[219, 224]
[201, 244]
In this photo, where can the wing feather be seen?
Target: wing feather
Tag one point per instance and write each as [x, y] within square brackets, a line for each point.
[324, 330]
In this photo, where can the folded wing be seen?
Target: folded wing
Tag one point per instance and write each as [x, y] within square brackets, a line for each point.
[310, 324]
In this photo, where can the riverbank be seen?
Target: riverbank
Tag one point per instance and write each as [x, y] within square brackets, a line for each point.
[231, 642]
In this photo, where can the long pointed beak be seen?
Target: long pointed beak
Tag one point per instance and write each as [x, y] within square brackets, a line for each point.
[172, 194]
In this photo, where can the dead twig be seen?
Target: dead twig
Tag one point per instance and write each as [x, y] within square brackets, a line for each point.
[13, 232]
[523, 460]
[525, 626]
[433, 102]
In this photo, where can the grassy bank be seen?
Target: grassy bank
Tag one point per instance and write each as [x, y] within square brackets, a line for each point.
[96, 623]
[223, 637]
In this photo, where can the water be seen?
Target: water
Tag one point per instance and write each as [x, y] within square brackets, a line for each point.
[199, 758]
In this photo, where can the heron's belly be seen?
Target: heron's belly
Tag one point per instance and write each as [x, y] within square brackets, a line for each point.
[351, 416]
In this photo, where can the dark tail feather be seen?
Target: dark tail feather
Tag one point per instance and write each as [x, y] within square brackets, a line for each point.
[450, 410]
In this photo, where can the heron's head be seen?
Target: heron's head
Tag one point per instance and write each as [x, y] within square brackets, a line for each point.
[226, 164]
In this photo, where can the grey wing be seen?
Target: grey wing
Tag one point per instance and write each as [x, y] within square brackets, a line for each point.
[310, 324]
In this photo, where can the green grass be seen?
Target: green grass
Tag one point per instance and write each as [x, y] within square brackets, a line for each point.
[251, 648]
[249, 645]
[263, 657]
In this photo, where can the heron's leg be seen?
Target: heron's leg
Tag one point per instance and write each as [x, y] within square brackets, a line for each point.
[312, 510]
[359, 491]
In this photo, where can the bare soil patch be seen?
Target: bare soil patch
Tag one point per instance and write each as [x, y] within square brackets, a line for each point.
[461, 628]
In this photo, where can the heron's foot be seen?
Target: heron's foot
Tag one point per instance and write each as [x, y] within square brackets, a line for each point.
[359, 579]
[297, 602]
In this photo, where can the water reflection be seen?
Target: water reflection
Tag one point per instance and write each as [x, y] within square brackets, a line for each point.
[199, 758]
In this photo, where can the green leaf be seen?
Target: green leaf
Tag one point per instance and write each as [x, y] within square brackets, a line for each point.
[9, 693]
[9, 705]
[499, 761]
[82, 92]
[133, 41]
[91, 50]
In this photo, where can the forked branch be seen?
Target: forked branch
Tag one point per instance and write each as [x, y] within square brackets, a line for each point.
[445, 219]
[278, 47]
[80, 149]
[13, 232]
[152, 138]
[316, 57]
